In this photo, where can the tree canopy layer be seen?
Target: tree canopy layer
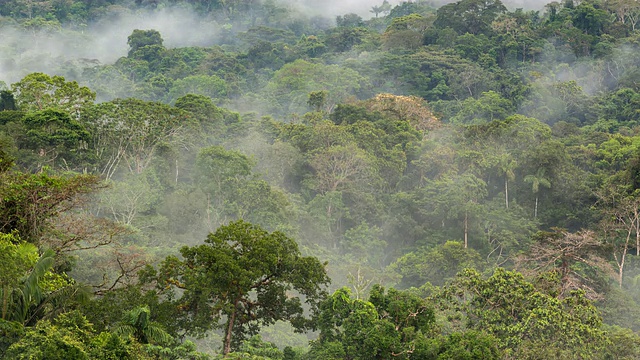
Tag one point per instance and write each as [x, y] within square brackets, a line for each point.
[466, 173]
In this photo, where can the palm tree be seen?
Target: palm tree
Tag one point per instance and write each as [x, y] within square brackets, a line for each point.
[22, 299]
[536, 181]
[507, 166]
[137, 324]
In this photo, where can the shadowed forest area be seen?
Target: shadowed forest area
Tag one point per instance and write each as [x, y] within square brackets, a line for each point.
[263, 179]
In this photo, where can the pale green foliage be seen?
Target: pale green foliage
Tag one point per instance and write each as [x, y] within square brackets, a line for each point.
[365, 244]
[255, 348]
[210, 86]
[291, 85]
[16, 258]
[127, 134]
[128, 199]
[436, 265]
[391, 325]
[528, 321]
[40, 91]
[488, 107]
[326, 212]
[71, 336]
[339, 168]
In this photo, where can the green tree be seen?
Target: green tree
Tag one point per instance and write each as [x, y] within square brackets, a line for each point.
[436, 265]
[472, 16]
[406, 32]
[39, 91]
[38, 292]
[245, 274]
[292, 83]
[7, 101]
[325, 215]
[131, 131]
[55, 139]
[210, 86]
[529, 323]
[488, 107]
[143, 38]
[390, 324]
[341, 167]
[125, 201]
[349, 20]
[29, 202]
[256, 349]
[220, 173]
[71, 336]
[538, 179]
[317, 100]
[258, 202]
[16, 260]
[468, 345]
[507, 165]
[591, 18]
[137, 324]
[627, 11]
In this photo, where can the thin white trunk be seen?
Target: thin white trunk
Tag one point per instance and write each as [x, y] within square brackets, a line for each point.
[637, 220]
[466, 229]
[506, 192]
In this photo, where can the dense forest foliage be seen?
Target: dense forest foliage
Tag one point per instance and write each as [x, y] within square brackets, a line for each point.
[246, 179]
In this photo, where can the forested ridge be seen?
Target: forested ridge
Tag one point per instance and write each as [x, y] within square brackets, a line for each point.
[256, 179]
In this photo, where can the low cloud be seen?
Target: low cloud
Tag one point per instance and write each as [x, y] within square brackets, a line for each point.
[48, 50]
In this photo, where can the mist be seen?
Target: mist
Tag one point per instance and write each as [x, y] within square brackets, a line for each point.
[55, 50]
[333, 8]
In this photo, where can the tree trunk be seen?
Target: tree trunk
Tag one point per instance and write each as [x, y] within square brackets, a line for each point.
[466, 229]
[637, 218]
[535, 211]
[622, 258]
[506, 192]
[621, 268]
[229, 331]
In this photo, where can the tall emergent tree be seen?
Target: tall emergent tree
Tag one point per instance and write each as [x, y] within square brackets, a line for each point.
[247, 276]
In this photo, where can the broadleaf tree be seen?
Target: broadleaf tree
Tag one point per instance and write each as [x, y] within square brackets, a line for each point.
[244, 277]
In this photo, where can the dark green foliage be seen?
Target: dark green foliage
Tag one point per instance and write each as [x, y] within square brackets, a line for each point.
[317, 100]
[137, 323]
[55, 136]
[349, 20]
[7, 102]
[244, 274]
[391, 325]
[140, 39]
[8, 116]
[469, 16]
[6, 157]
